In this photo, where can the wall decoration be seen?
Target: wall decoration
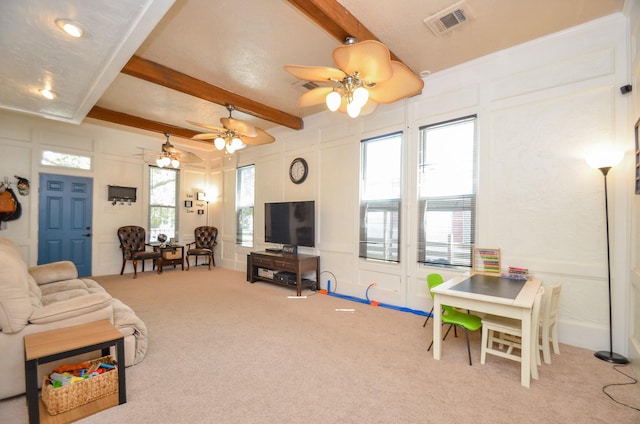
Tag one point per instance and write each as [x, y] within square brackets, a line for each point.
[200, 196]
[188, 203]
[121, 194]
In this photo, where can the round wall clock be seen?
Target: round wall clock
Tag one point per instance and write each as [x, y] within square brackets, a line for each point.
[298, 170]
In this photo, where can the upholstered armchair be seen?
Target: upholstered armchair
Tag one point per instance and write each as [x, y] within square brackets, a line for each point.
[204, 244]
[134, 248]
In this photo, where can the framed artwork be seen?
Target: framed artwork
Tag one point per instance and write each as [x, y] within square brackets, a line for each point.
[486, 260]
[200, 196]
[188, 203]
[637, 173]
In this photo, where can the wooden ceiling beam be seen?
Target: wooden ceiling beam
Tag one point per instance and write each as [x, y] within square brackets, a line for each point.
[167, 77]
[120, 118]
[336, 20]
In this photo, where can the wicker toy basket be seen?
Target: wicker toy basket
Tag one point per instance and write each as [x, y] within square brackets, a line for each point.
[65, 398]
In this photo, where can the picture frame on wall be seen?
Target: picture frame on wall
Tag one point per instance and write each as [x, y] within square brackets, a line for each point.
[637, 152]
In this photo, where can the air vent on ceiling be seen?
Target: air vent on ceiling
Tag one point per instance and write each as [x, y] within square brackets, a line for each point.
[305, 85]
[451, 17]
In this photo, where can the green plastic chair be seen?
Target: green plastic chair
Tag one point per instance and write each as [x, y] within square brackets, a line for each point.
[432, 281]
[453, 317]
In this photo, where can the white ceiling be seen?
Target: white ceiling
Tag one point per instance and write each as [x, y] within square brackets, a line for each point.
[240, 46]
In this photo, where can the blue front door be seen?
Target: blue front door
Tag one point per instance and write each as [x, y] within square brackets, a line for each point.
[64, 221]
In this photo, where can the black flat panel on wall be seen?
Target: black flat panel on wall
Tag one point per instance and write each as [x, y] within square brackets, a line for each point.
[121, 193]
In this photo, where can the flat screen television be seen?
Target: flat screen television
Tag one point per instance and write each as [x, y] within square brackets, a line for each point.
[292, 223]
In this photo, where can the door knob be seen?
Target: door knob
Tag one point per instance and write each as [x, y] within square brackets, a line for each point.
[87, 235]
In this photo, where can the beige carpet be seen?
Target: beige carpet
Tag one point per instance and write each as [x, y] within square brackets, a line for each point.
[222, 350]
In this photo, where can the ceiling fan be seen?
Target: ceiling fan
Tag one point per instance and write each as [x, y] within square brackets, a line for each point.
[170, 156]
[234, 134]
[366, 77]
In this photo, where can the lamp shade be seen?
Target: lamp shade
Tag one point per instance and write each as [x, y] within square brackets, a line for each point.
[333, 101]
[219, 143]
[353, 109]
[360, 96]
[604, 158]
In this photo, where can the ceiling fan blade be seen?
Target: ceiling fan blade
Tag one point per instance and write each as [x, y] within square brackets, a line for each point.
[241, 127]
[207, 126]
[403, 83]
[205, 136]
[315, 73]
[187, 157]
[370, 58]
[314, 97]
[262, 137]
[168, 148]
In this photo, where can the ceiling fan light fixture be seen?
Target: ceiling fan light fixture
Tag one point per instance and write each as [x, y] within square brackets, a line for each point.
[159, 162]
[237, 143]
[360, 96]
[353, 109]
[175, 163]
[219, 143]
[333, 101]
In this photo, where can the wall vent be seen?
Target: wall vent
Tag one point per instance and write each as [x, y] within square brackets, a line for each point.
[305, 85]
[450, 18]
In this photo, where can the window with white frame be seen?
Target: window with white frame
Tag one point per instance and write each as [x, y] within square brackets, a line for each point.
[163, 202]
[447, 192]
[245, 195]
[380, 196]
[65, 160]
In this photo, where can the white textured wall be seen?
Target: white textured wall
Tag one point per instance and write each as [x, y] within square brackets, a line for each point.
[542, 107]
[633, 295]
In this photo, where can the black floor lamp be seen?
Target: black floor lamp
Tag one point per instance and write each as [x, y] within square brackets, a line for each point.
[608, 355]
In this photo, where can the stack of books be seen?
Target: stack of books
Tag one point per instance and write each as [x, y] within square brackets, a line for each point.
[516, 273]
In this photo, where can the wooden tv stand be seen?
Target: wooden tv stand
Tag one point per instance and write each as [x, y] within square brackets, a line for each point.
[295, 263]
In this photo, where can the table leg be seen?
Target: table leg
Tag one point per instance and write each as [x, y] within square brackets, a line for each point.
[31, 375]
[437, 325]
[122, 385]
[525, 370]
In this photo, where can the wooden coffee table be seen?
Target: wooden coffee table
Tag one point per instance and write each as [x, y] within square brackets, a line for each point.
[40, 348]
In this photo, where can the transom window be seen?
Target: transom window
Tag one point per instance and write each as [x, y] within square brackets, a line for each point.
[447, 192]
[65, 160]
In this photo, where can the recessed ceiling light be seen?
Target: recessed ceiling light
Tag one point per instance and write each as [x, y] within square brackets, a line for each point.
[70, 27]
[47, 93]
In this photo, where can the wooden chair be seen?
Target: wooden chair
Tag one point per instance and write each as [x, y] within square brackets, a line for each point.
[134, 248]
[507, 333]
[549, 322]
[204, 244]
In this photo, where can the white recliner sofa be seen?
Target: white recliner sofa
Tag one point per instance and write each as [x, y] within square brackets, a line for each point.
[46, 297]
